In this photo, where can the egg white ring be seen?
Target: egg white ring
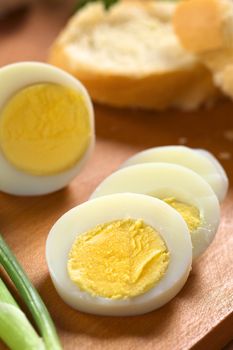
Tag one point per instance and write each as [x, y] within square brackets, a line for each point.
[86, 216]
[13, 78]
[198, 160]
[165, 180]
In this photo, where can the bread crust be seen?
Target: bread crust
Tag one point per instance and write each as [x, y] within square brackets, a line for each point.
[185, 86]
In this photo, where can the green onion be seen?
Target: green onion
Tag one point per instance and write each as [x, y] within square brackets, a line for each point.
[30, 296]
[16, 331]
[5, 295]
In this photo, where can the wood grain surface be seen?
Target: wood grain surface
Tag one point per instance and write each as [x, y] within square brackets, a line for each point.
[201, 315]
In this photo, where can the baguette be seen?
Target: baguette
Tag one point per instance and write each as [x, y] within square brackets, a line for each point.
[205, 28]
[130, 57]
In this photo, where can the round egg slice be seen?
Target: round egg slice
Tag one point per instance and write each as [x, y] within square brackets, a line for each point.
[46, 128]
[181, 188]
[198, 160]
[123, 254]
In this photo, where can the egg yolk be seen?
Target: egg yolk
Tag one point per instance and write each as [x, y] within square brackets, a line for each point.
[45, 129]
[118, 260]
[190, 214]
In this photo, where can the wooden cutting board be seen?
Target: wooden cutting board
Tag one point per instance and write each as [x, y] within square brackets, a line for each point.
[201, 315]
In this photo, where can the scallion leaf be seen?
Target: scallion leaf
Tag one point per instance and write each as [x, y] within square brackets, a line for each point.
[107, 3]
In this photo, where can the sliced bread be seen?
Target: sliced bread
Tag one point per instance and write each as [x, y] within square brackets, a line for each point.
[130, 57]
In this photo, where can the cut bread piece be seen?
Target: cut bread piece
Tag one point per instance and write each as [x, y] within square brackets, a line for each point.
[205, 28]
[130, 57]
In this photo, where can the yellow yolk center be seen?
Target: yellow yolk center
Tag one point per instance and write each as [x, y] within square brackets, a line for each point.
[190, 214]
[45, 129]
[118, 260]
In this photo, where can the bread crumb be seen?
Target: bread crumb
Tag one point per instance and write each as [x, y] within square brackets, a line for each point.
[224, 155]
[182, 140]
[228, 134]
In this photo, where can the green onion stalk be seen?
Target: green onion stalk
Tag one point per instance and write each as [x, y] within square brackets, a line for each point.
[14, 326]
[15, 329]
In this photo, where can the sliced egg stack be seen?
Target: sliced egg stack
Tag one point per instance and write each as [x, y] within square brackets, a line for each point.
[129, 249]
[46, 128]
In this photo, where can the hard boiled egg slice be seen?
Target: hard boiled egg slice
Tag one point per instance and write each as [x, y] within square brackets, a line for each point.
[122, 254]
[200, 161]
[182, 188]
[46, 128]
